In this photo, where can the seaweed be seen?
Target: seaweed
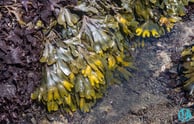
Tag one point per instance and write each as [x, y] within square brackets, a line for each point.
[188, 68]
[85, 44]
[78, 60]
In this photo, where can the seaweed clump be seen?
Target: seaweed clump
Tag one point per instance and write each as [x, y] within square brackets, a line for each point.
[86, 43]
[151, 17]
[188, 68]
[80, 60]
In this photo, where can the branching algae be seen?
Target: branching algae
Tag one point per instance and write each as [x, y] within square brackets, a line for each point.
[86, 43]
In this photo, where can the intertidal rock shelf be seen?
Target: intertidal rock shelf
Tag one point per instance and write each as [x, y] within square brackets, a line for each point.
[65, 56]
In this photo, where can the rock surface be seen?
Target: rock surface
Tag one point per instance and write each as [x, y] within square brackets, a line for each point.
[147, 98]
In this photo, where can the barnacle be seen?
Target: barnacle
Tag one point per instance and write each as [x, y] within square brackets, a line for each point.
[188, 64]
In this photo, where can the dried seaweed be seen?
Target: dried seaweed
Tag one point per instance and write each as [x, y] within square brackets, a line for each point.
[19, 67]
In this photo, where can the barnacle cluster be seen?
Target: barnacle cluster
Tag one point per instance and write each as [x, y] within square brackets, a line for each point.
[188, 65]
[86, 44]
